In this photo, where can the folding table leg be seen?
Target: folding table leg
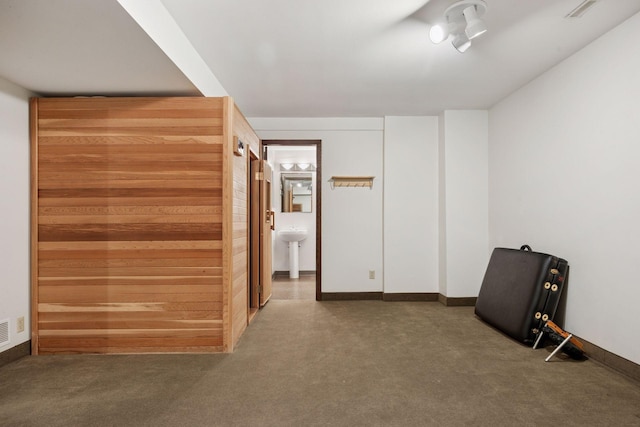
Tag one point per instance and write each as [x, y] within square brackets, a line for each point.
[535, 344]
[566, 340]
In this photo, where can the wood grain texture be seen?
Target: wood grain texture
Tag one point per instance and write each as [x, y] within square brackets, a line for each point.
[128, 214]
[227, 224]
[34, 213]
[240, 216]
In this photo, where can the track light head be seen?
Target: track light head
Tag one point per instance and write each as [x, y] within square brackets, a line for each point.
[475, 26]
[461, 42]
[440, 32]
[461, 22]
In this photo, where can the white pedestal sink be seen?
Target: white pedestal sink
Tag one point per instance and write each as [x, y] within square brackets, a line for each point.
[293, 236]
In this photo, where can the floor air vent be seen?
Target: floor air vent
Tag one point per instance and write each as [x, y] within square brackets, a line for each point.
[4, 332]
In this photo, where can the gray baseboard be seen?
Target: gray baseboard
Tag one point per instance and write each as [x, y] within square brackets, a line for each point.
[351, 296]
[379, 296]
[414, 296]
[285, 274]
[15, 353]
[457, 302]
[611, 360]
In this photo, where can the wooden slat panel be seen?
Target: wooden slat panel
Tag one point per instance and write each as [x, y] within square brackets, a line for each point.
[129, 124]
[240, 222]
[129, 131]
[106, 262]
[74, 180]
[129, 219]
[103, 232]
[164, 104]
[112, 307]
[130, 271]
[87, 318]
[129, 332]
[132, 349]
[110, 193]
[129, 140]
[130, 280]
[126, 114]
[116, 255]
[93, 153]
[213, 198]
[55, 296]
[139, 166]
[129, 224]
[132, 245]
[132, 323]
[129, 293]
[130, 210]
[87, 344]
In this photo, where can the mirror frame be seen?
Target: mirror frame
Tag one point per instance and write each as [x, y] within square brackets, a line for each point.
[288, 179]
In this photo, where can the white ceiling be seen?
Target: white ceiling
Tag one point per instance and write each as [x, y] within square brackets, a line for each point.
[82, 47]
[298, 58]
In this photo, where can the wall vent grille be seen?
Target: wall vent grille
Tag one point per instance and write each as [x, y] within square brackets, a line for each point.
[582, 8]
[4, 332]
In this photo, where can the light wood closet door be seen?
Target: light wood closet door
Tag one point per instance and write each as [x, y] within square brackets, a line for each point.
[266, 227]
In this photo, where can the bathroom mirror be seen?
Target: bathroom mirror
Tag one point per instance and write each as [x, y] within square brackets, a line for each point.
[296, 191]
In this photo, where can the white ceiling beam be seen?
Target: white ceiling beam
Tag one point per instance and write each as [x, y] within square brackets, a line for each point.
[158, 23]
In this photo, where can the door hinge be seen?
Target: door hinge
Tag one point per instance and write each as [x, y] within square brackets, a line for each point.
[259, 176]
[259, 289]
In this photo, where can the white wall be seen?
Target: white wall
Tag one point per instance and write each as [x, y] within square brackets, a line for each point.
[410, 204]
[564, 177]
[464, 182]
[351, 217]
[14, 205]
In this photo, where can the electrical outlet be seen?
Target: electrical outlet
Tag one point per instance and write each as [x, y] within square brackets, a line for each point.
[20, 324]
[372, 274]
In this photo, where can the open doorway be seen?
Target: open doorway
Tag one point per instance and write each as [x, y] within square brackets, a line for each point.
[297, 178]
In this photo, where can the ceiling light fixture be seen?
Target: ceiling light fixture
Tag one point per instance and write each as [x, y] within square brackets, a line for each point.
[462, 22]
[297, 167]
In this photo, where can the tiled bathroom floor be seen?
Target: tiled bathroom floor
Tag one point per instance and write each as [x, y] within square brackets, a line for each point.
[303, 288]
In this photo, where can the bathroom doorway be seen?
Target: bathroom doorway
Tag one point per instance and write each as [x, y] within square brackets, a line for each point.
[297, 202]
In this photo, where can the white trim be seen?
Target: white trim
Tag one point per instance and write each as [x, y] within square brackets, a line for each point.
[316, 123]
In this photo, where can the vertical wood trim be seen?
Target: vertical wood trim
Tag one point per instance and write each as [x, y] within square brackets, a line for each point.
[239, 307]
[318, 145]
[33, 142]
[255, 233]
[227, 224]
[249, 287]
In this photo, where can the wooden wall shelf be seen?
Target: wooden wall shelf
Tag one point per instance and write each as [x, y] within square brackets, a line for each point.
[351, 181]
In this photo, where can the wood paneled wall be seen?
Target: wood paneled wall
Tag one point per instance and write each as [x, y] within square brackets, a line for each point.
[240, 216]
[128, 219]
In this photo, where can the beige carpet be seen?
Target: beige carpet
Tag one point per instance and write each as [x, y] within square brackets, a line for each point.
[341, 363]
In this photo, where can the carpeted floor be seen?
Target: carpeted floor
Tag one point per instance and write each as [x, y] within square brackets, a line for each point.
[339, 363]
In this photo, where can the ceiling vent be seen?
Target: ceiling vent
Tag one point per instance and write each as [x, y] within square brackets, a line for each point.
[582, 8]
